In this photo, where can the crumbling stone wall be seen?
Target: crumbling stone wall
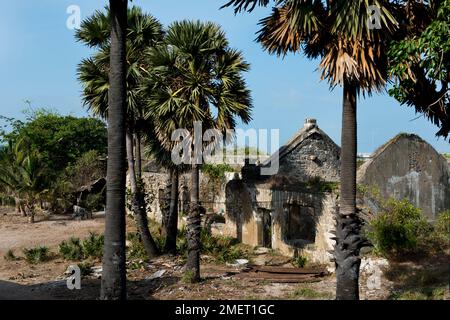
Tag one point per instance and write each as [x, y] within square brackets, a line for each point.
[249, 203]
[408, 167]
[212, 194]
[314, 157]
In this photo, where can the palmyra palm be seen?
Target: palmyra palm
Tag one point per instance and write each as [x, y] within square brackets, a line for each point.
[143, 32]
[352, 55]
[194, 73]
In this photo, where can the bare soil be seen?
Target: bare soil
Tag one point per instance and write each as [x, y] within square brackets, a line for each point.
[22, 280]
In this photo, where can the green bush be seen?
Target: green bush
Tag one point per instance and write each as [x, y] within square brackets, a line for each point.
[136, 249]
[94, 202]
[181, 241]
[37, 254]
[93, 246]
[216, 171]
[399, 228]
[188, 277]
[75, 249]
[71, 249]
[442, 226]
[299, 262]
[223, 249]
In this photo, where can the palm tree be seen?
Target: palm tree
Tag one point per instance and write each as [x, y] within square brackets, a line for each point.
[23, 175]
[162, 155]
[192, 73]
[114, 277]
[352, 56]
[143, 31]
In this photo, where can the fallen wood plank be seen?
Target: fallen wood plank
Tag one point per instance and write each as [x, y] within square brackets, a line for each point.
[281, 278]
[265, 275]
[287, 280]
[284, 270]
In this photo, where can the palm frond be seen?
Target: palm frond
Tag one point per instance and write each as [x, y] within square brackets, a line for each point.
[245, 5]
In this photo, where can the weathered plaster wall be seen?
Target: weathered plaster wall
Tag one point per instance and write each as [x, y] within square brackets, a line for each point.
[408, 167]
[252, 200]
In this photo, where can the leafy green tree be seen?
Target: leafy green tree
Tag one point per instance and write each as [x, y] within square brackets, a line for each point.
[143, 31]
[352, 55]
[59, 140]
[420, 63]
[194, 72]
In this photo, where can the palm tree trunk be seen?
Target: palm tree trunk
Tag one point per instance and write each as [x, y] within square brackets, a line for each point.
[113, 284]
[138, 203]
[194, 228]
[165, 207]
[138, 155]
[172, 221]
[348, 239]
[30, 214]
[20, 207]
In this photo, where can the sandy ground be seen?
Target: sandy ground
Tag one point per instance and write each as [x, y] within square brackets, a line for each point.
[16, 233]
[22, 280]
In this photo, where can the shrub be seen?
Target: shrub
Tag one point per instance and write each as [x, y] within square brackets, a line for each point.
[85, 268]
[223, 249]
[92, 246]
[75, 249]
[181, 241]
[299, 261]
[9, 256]
[71, 249]
[399, 228]
[442, 226]
[95, 202]
[188, 277]
[37, 254]
[136, 249]
[215, 172]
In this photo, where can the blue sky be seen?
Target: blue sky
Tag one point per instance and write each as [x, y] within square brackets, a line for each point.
[38, 59]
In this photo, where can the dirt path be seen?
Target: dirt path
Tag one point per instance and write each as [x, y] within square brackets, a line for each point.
[16, 233]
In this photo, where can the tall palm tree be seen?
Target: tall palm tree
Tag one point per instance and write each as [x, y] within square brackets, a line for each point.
[194, 72]
[352, 56]
[143, 31]
[114, 278]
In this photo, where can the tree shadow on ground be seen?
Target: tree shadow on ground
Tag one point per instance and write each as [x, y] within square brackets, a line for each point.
[90, 289]
[422, 277]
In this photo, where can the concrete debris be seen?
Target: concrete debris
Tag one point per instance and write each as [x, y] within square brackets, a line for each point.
[157, 274]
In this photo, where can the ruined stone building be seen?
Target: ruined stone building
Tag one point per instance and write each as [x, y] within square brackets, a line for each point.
[409, 167]
[293, 210]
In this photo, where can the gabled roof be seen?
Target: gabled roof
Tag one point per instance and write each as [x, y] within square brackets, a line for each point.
[309, 129]
[380, 150]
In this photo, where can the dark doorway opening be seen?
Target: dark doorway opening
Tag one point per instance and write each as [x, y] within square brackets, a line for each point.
[266, 228]
[301, 223]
